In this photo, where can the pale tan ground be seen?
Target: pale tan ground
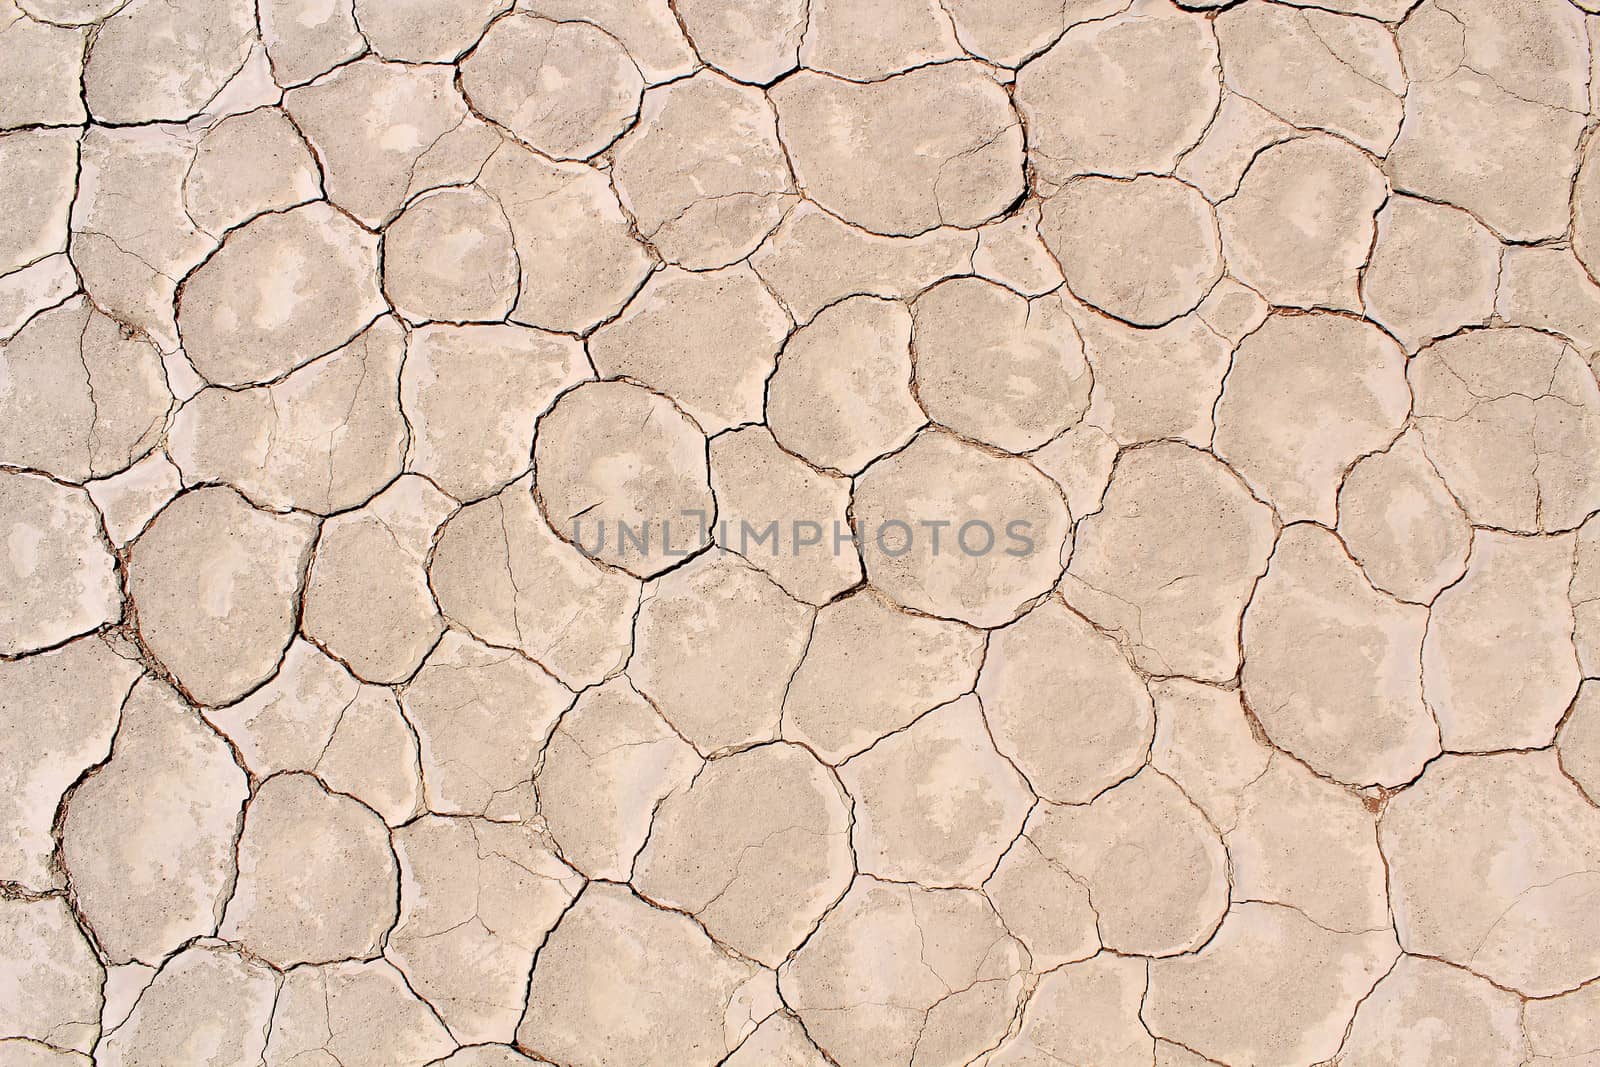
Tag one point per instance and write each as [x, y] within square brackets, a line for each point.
[327, 740]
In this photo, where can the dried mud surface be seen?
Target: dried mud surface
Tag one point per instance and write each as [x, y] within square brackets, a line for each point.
[327, 739]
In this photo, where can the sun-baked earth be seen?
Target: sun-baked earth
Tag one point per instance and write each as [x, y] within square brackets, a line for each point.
[789, 533]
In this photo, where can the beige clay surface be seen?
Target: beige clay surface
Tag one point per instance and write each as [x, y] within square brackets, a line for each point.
[799, 533]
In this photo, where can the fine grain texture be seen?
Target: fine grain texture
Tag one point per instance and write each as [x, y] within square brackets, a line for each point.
[799, 533]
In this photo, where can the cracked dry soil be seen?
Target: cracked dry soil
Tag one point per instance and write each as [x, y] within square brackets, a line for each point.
[328, 740]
